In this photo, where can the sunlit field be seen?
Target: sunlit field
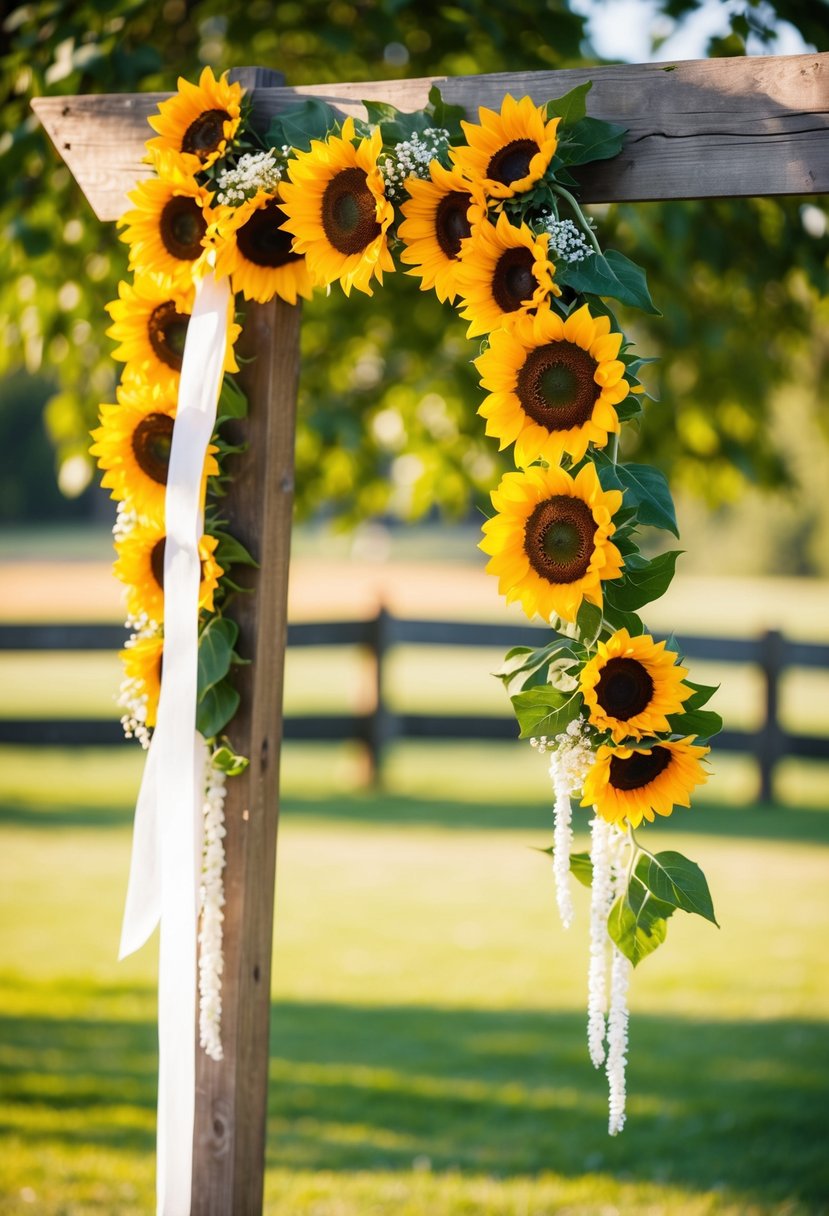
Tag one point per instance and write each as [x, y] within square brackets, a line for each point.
[428, 1050]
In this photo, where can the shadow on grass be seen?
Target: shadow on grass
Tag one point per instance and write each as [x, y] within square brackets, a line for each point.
[705, 819]
[736, 1106]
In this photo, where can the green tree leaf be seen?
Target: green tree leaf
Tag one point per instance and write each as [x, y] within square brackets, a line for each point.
[702, 693]
[673, 879]
[638, 922]
[215, 651]
[572, 107]
[704, 723]
[216, 708]
[588, 622]
[445, 115]
[311, 119]
[591, 139]
[545, 711]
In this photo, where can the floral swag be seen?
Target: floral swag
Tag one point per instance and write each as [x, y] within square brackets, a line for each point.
[484, 214]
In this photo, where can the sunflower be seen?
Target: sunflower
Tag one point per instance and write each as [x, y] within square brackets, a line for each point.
[632, 685]
[501, 270]
[140, 564]
[550, 543]
[142, 661]
[198, 122]
[132, 446]
[165, 231]
[636, 783]
[150, 325]
[508, 152]
[257, 253]
[553, 384]
[338, 212]
[438, 216]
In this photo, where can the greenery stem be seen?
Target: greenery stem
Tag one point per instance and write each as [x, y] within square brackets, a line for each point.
[613, 448]
[580, 216]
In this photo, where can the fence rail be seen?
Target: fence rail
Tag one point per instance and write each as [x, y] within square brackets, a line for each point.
[771, 653]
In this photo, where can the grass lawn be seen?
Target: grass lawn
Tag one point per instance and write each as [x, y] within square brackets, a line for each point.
[428, 1051]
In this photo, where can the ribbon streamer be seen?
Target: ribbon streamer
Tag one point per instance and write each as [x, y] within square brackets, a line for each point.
[167, 836]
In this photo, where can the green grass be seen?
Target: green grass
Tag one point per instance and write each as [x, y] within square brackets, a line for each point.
[427, 1046]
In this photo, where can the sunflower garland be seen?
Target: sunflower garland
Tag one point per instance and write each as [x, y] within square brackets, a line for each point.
[483, 214]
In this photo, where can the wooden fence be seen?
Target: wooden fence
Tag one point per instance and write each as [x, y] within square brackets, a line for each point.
[771, 653]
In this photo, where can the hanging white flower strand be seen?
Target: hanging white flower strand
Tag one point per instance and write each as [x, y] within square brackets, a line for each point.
[571, 755]
[601, 901]
[211, 903]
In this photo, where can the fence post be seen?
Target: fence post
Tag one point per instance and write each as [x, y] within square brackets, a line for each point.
[381, 725]
[771, 739]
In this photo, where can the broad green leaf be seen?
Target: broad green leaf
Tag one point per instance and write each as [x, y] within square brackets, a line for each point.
[545, 711]
[311, 119]
[445, 115]
[588, 622]
[638, 922]
[644, 487]
[610, 274]
[521, 660]
[231, 552]
[591, 139]
[617, 619]
[581, 867]
[227, 760]
[216, 708]
[572, 106]
[395, 126]
[232, 401]
[674, 879]
[638, 587]
[704, 723]
[701, 696]
[215, 651]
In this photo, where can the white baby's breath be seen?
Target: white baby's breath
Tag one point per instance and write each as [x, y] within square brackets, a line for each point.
[412, 158]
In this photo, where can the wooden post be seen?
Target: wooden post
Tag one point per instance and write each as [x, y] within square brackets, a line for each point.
[231, 1095]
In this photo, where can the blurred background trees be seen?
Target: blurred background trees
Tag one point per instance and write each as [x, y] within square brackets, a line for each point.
[388, 410]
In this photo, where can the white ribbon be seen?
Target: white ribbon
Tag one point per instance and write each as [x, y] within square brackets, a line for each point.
[167, 838]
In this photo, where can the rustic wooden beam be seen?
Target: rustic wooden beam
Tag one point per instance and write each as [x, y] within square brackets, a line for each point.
[696, 129]
[231, 1095]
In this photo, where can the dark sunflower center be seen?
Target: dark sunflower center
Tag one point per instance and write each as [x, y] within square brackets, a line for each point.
[451, 224]
[151, 442]
[558, 539]
[349, 213]
[512, 162]
[205, 134]
[261, 240]
[166, 330]
[640, 769]
[556, 386]
[182, 227]
[624, 689]
[513, 281]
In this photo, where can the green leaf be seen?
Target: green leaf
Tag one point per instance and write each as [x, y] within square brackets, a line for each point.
[581, 867]
[704, 723]
[445, 115]
[231, 552]
[588, 622]
[610, 274]
[232, 401]
[395, 126]
[638, 922]
[591, 139]
[675, 880]
[617, 619]
[545, 711]
[521, 660]
[644, 487]
[701, 696]
[572, 106]
[638, 587]
[216, 709]
[215, 651]
[225, 758]
[311, 119]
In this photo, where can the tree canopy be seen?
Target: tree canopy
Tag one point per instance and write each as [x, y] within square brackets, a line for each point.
[388, 409]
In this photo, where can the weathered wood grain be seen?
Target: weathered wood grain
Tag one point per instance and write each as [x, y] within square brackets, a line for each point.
[696, 129]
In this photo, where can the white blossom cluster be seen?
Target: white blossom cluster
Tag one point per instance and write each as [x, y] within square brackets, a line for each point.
[254, 171]
[211, 903]
[571, 755]
[412, 158]
[567, 241]
[132, 694]
[125, 521]
[608, 1018]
